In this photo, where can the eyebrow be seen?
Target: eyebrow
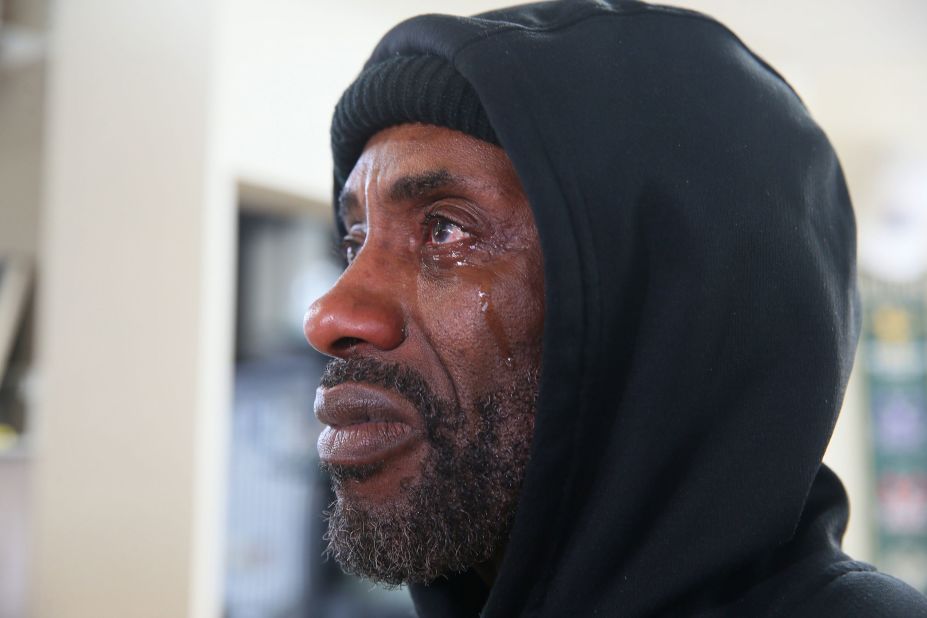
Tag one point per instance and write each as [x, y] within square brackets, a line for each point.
[405, 188]
[417, 185]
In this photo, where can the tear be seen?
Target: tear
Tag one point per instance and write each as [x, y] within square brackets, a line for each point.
[495, 326]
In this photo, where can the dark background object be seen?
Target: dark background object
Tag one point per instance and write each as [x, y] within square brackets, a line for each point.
[275, 566]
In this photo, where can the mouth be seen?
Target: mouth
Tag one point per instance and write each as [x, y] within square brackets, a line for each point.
[365, 424]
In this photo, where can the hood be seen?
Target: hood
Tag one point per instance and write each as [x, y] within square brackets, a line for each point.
[701, 313]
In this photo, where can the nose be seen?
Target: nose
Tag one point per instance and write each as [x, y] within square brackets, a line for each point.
[363, 307]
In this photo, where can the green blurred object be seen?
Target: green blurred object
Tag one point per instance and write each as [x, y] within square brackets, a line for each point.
[9, 438]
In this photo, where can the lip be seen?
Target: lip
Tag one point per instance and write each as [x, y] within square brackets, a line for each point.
[365, 424]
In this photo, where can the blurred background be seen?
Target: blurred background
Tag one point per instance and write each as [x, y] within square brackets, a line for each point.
[164, 213]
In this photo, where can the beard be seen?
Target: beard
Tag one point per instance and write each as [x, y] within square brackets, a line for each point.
[459, 511]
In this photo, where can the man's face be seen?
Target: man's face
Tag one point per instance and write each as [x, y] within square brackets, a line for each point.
[435, 329]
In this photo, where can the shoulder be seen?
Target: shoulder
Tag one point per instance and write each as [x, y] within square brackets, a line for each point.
[866, 593]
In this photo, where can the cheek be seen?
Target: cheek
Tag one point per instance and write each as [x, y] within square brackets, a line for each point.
[484, 323]
[452, 319]
[513, 315]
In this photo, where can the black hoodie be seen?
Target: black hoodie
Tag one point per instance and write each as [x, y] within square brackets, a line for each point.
[701, 320]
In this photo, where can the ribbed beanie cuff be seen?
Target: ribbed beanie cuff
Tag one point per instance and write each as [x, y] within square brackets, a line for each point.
[398, 90]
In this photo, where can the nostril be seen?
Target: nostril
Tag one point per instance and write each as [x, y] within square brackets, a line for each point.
[346, 343]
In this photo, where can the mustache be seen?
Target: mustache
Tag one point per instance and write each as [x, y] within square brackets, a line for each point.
[405, 381]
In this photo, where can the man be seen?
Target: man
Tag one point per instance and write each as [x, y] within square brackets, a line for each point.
[597, 319]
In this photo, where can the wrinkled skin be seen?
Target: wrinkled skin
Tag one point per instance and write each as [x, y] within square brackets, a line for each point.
[444, 280]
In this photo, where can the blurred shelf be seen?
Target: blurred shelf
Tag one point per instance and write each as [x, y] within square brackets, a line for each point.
[257, 197]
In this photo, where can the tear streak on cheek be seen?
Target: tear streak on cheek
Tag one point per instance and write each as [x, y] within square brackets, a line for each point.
[495, 326]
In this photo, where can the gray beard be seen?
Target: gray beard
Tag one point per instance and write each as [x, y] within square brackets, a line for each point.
[459, 512]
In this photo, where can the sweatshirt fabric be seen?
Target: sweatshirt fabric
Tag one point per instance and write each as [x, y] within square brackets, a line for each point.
[701, 321]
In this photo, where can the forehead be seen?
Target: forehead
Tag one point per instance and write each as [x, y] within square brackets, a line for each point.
[426, 156]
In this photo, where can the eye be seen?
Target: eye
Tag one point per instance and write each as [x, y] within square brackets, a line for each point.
[349, 249]
[443, 231]
[353, 242]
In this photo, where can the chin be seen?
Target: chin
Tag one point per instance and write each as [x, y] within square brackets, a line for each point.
[378, 482]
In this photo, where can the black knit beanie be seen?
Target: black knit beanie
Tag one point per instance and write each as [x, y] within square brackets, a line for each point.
[398, 90]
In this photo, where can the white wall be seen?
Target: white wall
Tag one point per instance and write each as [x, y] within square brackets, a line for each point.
[134, 316]
[285, 63]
